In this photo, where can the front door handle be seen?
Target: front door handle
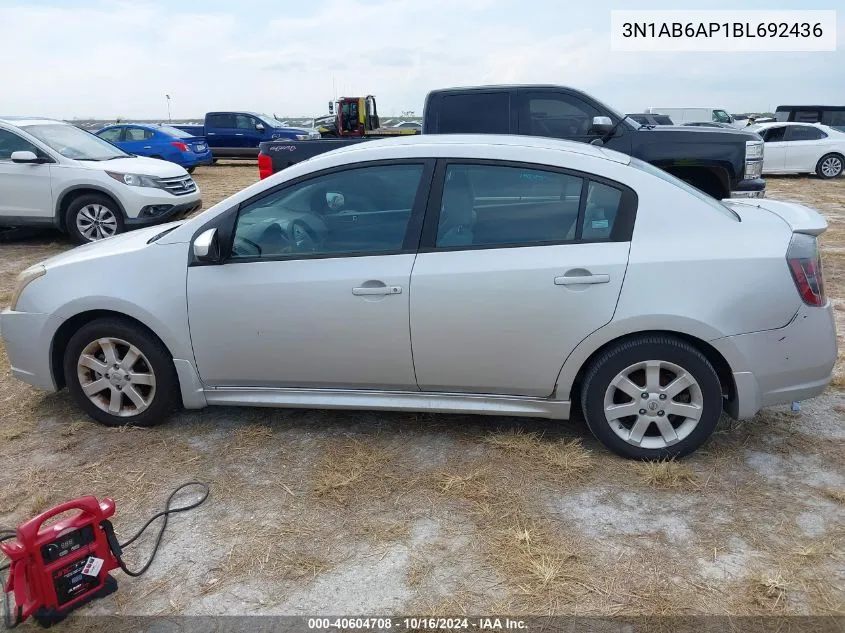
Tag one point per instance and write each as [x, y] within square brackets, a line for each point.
[239, 133]
[377, 290]
[581, 280]
[148, 146]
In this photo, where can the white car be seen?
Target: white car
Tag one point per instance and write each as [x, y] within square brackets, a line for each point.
[801, 148]
[680, 116]
[54, 174]
[505, 275]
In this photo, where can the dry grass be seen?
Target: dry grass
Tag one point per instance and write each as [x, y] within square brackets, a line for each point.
[769, 592]
[559, 458]
[837, 495]
[669, 475]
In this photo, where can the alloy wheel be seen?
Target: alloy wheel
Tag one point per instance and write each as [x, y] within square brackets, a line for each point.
[116, 377]
[832, 166]
[653, 404]
[96, 222]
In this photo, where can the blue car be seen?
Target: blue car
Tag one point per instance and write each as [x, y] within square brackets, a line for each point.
[159, 141]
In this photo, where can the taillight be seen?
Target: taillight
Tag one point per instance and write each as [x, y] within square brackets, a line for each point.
[805, 264]
[180, 146]
[265, 166]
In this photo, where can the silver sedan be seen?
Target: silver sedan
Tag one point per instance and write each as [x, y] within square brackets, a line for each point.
[499, 275]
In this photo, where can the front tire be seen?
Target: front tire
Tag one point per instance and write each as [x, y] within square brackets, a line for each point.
[93, 217]
[120, 374]
[830, 166]
[652, 397]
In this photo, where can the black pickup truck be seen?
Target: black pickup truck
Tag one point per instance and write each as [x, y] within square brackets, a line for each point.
[724, 163]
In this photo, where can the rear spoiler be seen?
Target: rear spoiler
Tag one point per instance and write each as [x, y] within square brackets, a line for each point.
[800, 218]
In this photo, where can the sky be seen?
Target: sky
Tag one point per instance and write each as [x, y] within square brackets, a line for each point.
[116, 58]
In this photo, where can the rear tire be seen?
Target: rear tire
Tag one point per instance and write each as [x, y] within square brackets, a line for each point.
[668, 421]
[93, 217]
[830, 166]
[121, 374]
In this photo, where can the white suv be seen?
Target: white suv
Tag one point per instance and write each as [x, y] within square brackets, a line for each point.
[53, 173]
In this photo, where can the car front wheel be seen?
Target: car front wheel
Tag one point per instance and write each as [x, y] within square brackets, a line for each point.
[120, 374]
[654, 397]
[93, 217]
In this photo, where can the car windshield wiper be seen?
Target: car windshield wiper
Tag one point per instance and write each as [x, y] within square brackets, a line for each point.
[116, 157]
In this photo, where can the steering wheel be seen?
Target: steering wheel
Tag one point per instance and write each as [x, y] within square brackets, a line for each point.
[303, 237]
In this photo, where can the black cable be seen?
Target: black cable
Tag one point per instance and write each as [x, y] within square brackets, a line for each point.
[8, 620]
[117, 548]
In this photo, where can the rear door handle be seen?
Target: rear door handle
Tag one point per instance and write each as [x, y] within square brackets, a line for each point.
[148, 146]
[210, 133]
[239, 133]
[583, 280]
[377, 290]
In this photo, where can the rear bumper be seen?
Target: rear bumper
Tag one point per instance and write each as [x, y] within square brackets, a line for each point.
[791, 363]
[196, 160]
[24, 335]
[176, 212]
[751, 188]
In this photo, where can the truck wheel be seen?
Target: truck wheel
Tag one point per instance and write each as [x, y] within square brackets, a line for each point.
[652, 397]
[830, 166]
[93, 217]
[120, 373]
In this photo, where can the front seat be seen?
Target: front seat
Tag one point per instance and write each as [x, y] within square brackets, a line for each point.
[457, 214]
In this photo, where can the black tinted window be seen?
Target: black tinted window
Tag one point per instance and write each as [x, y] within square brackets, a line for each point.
[363, 210]
[806, 116]
[774, 134]
[639, 118]
[488, 205]
[560, 116]
[662, 119]
[10, 142]
[220, 120]
[833, 118]
[484, 113]
[804, 133]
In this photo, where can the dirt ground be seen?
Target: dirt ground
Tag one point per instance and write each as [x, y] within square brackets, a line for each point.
[318, 512]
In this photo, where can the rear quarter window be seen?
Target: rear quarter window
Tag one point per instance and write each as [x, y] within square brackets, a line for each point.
[482, 113]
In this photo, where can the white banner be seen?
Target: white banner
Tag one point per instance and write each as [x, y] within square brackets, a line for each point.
[723, 30]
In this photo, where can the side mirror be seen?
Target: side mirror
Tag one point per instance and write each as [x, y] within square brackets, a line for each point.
[207, 247]
[331, 107]
[601, 125]
[259, 127]
[25, 157]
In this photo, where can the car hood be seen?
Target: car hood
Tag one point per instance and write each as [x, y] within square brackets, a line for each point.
[138, 165]
[130, 241]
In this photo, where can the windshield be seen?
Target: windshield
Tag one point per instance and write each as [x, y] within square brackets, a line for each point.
[173, 131]
[71, 142]
[721, 116]
[666, 176]
[271, 120]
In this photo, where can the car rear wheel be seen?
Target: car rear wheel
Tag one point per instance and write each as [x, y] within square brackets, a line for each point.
[93, 217]
[190, 170]
[830, 166]
[654, 397]
[120, 374]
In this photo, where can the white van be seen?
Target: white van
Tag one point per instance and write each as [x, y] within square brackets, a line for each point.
[695, 115]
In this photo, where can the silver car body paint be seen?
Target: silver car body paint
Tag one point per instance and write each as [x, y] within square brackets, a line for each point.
[483, 331]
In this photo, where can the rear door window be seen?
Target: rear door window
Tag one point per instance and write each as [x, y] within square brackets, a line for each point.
[474, 112]
[804, 133]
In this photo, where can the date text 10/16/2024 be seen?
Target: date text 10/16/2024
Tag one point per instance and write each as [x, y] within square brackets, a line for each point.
[417, 623]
